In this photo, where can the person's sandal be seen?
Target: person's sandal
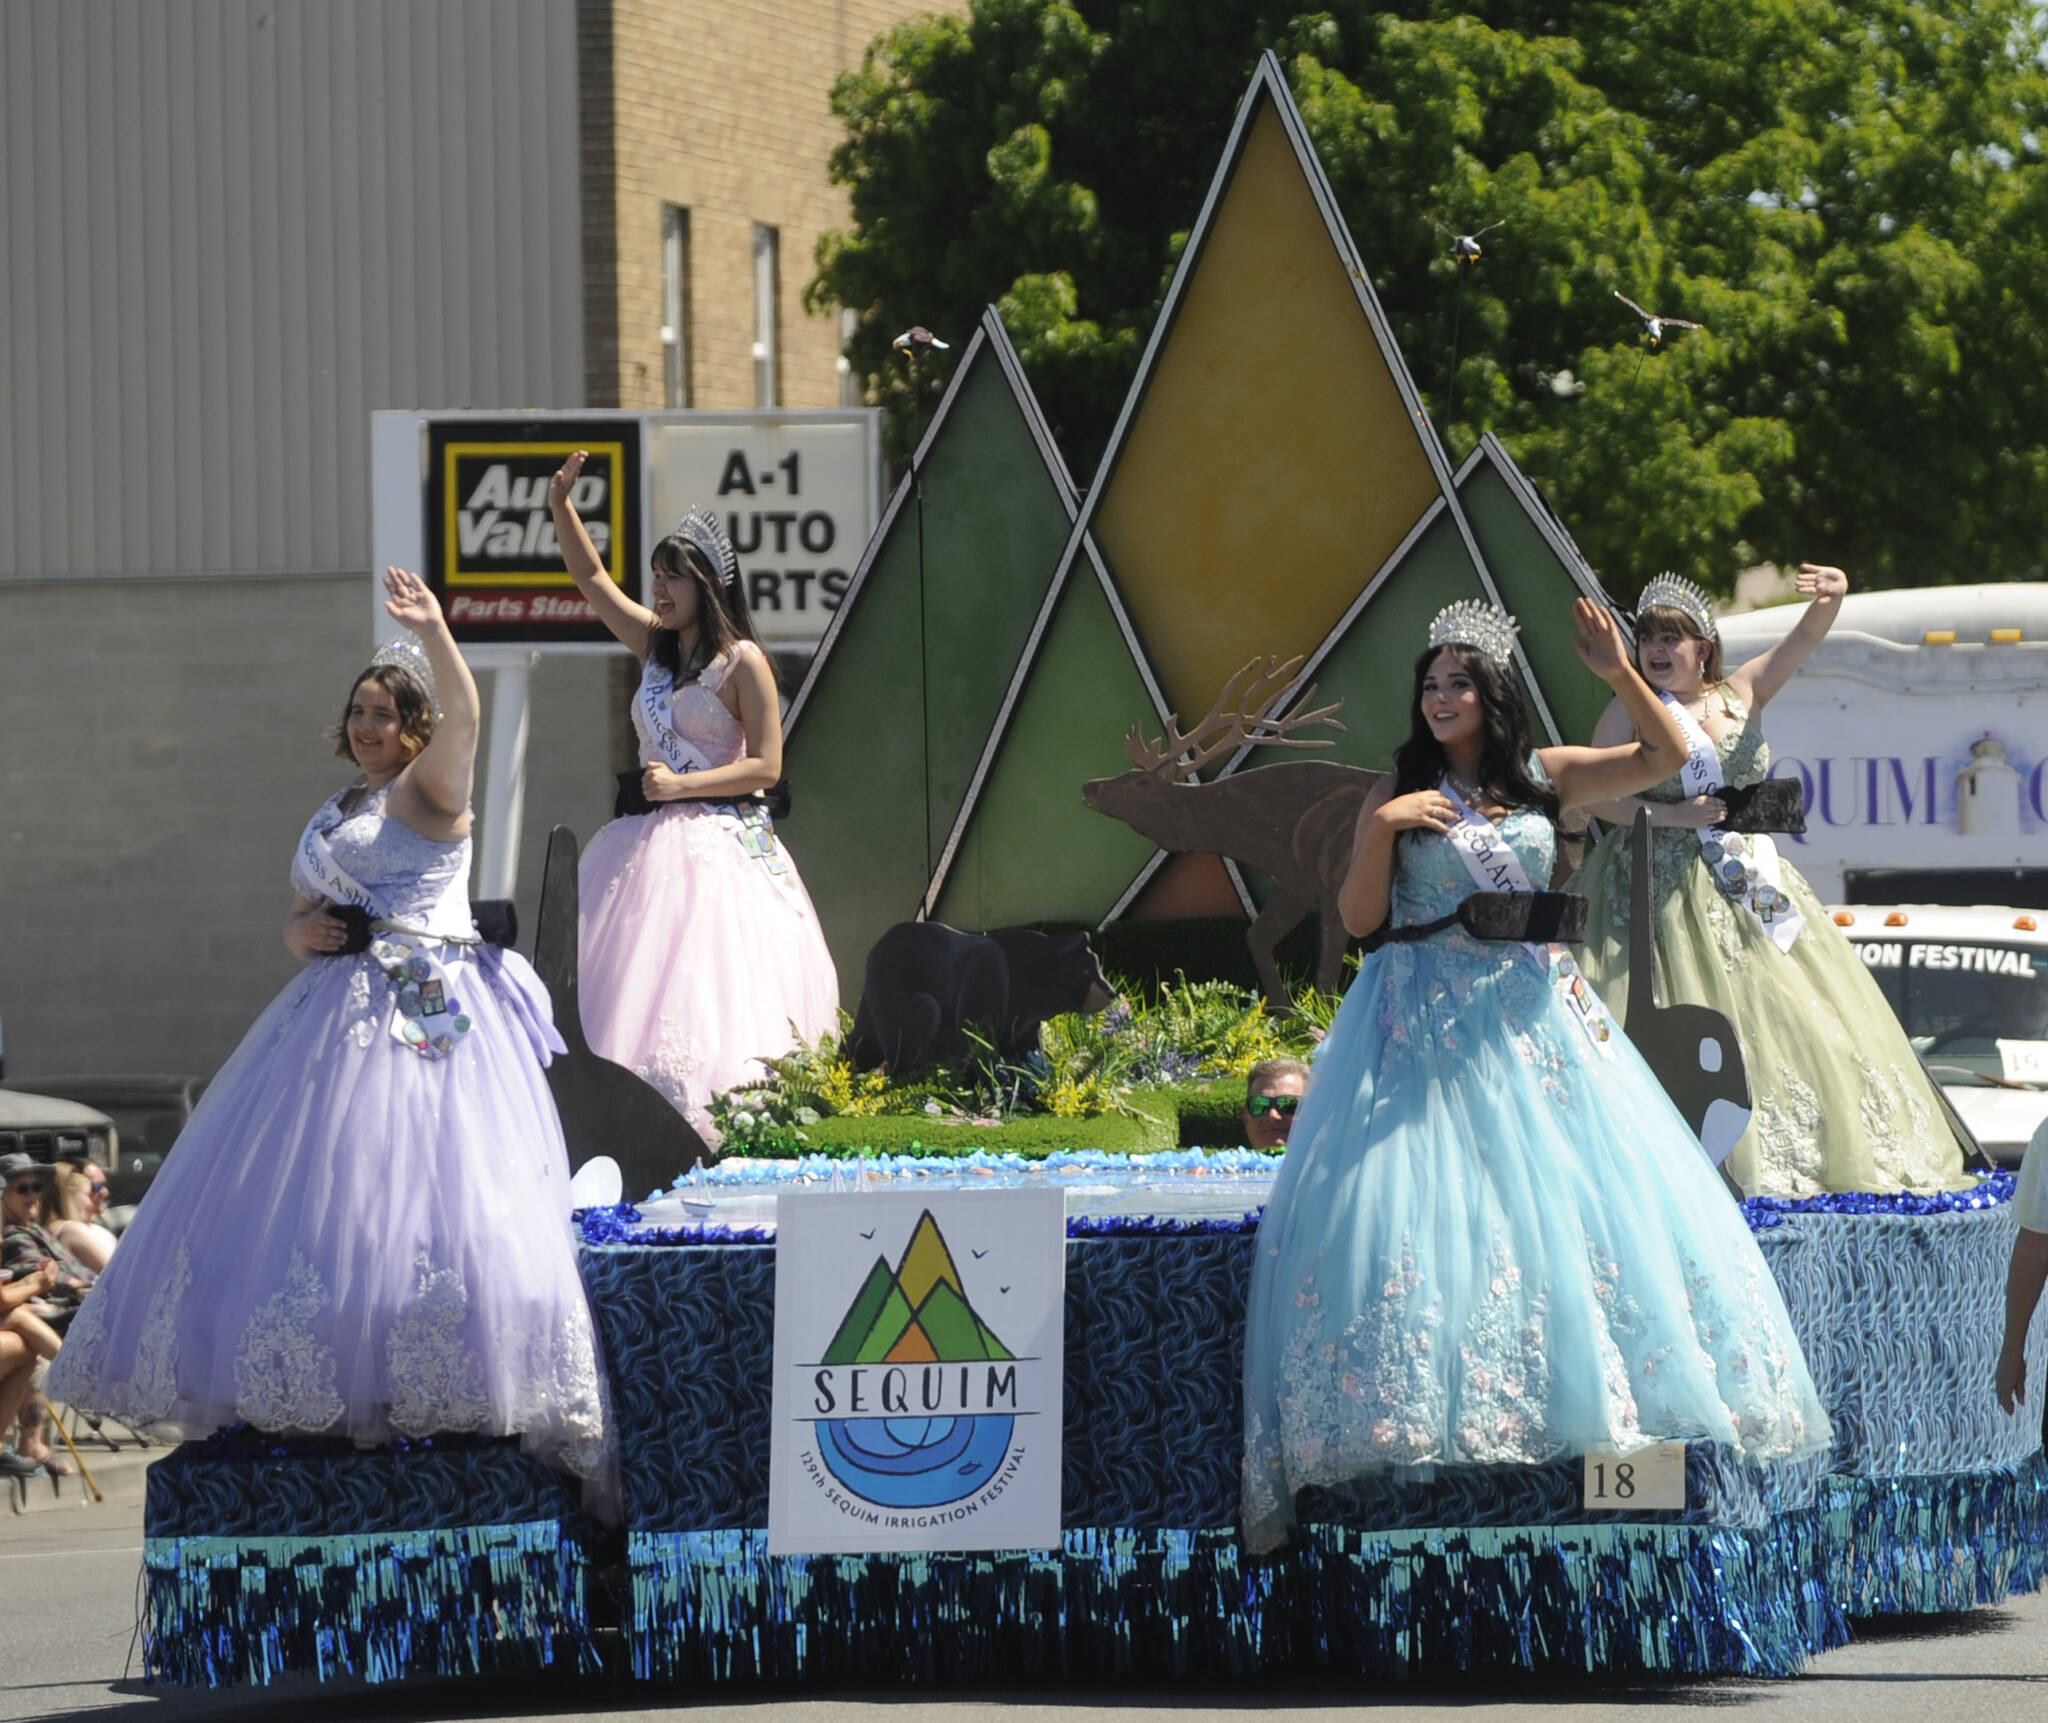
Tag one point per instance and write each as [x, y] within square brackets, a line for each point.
[12, 1465]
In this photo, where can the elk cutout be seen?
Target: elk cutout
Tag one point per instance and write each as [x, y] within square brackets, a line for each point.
[1691, 1049]
[1292, 821]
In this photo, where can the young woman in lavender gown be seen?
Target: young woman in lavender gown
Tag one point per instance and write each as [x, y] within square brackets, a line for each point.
[700, 952]
[364, 1229]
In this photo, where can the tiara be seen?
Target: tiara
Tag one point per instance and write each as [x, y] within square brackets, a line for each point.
[1668, 591]
[407, 656]
[1470, 622]
[701, 528]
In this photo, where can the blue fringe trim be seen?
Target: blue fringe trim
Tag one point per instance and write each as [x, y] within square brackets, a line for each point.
[382, 1606]
[1925, 1546]
[1691, 1600]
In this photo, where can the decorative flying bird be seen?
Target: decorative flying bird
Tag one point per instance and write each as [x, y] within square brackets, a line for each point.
[1654, 325]
[1465, 247]
[917, 341]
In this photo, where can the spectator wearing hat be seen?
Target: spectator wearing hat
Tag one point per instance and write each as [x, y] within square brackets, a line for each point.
[1272, 1090]
[28, 1238]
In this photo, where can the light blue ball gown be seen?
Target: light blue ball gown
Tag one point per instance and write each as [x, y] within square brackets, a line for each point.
[1494, 1240]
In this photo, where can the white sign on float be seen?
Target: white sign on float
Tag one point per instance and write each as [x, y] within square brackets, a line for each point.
[797, 494]
[918, 1385]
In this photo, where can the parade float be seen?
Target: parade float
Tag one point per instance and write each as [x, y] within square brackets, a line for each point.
[1003, 633]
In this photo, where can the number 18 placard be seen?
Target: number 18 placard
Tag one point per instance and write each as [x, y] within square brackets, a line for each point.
[1645, 1478]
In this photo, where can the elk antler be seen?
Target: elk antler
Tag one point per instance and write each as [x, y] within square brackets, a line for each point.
[1233, 722]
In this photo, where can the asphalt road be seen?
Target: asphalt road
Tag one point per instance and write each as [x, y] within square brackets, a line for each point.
[67, 1650]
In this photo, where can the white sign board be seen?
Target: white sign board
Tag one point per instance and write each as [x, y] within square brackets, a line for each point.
[797, 493]
[918, 1371]
[1642, 1479]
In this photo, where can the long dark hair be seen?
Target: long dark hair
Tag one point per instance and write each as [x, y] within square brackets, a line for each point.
[1504, 727]
[723, 618]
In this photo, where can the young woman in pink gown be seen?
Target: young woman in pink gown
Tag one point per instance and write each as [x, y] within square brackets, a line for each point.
[701, 953]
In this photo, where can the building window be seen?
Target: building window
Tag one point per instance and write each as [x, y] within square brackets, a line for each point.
[675, 306]
[767, 354]
[849, 384]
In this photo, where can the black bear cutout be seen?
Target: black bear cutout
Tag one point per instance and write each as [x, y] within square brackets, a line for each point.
[605, 1108]
[1692, 1050]
[927, 985]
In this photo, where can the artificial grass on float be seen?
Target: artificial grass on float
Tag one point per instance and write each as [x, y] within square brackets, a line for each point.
[1154, 1127]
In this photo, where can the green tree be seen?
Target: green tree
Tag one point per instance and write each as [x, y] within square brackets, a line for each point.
[1853, 200]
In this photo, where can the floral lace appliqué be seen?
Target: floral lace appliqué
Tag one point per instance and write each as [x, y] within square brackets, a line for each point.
[154, 1387]
[437, 1382]
[284, 1376]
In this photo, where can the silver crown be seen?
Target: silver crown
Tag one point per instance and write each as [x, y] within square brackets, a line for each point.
[406, 655]
[700, 526]
[1668, 591]
[1471, 622]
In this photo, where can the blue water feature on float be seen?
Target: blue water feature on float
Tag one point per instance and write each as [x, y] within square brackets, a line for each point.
[913, 1462]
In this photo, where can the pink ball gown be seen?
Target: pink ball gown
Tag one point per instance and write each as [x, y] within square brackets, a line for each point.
[701, 953]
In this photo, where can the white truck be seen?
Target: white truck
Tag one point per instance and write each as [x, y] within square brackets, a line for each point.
[1918, 731]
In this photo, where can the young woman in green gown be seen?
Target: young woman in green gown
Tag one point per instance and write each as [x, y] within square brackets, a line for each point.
[1841, 1100]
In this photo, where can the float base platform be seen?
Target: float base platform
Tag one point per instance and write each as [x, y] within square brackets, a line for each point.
[447, 1560]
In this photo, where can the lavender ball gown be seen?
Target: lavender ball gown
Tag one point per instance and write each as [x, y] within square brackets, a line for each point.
[701, 953]
[355, 1237]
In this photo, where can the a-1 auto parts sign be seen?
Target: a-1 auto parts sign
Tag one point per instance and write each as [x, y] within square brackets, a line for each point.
[797, 490]
[797, 494]
[492, 553]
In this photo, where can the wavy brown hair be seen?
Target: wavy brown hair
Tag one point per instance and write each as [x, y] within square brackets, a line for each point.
[415, 712]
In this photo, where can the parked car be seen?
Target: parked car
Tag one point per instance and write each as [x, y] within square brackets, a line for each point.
[147, 1114]
[1971, 987]
[53, 1128]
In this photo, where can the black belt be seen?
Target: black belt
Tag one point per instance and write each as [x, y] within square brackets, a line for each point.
[1513, 917]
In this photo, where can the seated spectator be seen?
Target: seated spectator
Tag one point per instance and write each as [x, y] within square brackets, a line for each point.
[1272, 1090]
[25, 1345]
[29, 1211]
[81, 1200]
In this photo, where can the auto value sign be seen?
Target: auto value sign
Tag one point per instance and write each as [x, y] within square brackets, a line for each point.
[492, 554]
[918, 1371]
[796, 491]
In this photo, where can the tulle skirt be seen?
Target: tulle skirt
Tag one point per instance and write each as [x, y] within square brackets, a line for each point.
[1841, 1101]
[350, 1239]
[699, 957]
[1494, 1241]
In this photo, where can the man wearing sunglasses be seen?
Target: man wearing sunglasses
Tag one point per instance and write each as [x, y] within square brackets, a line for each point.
[1272, 1090]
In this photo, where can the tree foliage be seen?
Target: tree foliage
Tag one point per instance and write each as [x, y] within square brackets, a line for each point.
[1853, 199]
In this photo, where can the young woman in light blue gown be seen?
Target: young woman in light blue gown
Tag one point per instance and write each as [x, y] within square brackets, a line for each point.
[363, 1231]
[1494, 1240]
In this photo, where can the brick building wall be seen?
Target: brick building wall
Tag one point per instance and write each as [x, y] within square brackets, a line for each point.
[721, 108]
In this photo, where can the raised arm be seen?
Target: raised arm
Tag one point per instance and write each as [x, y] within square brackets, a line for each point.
[760, 714]
[1587, 775]
[629, 622]
[1755, 682]
[1612, 731]
[432, 793]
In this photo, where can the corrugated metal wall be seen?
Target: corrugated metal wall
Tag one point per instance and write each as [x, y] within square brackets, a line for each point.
[231, 228]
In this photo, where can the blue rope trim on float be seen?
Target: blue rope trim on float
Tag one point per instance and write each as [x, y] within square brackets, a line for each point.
[621, 1224]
